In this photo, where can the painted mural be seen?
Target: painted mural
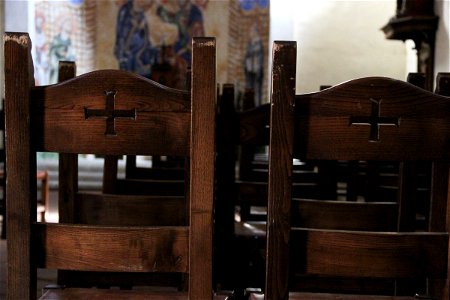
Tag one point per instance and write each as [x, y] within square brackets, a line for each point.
[249, 47]
[153, 38]
[59, 33]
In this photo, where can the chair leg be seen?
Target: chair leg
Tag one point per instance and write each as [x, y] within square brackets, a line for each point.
[43, 177]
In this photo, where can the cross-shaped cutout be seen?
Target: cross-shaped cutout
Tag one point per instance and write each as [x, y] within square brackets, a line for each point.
[375, 120]
[110, 113]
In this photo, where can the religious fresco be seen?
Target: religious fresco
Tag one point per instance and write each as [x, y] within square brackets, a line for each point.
[59, 33]
[248, 57]
[153, 38]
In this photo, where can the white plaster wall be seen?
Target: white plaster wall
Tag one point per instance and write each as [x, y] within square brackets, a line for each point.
[338, 40]
[13, 17]
[2, 30]
[16, 15]
[442, 52]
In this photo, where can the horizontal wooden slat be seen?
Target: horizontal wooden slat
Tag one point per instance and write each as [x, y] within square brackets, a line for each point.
[303, 176]
[344, 215]
[131, 249]
[130, 210]
[138, 294]
[78, 293]
[157, 127]
[253, 126]
[158, 113]
[391, 255]
[156, 173]
[150, 187]
[325, 118]
[255, 193]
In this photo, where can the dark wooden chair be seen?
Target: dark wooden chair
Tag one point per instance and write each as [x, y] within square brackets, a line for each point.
[162, 167]
[94, 208]
[242, 173]
[350, 122]
[2, 172]
[166, 179]
[242, 263]
[144, 118]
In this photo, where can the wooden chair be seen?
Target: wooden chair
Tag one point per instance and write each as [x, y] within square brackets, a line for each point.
[2, 172]
[375, 181]
[162, 168]
[330, 125]
[242, 172]
[242, 262]
[166, 179]
[41, 177]
[44, 199]
[69, 118]
[94, 208]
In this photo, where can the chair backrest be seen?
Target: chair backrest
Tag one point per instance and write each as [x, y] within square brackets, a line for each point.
[242, 173]
[368, 119]
[141, 118]
[119, 202]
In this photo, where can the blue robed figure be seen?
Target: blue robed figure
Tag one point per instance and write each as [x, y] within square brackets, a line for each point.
[133, 47]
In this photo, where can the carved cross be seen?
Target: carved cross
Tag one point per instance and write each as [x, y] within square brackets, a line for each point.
[110, 113]
[374, 120]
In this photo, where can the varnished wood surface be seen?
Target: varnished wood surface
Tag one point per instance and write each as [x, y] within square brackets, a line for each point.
[61, 118]
[325, 118]
[20, 212]
[131, 210]
[73, 293]
[202, 156]
[132, 249]
[319, 126]
[344, 215]
[281, 145]
[391, 255]
[156, 119]
[162, 187]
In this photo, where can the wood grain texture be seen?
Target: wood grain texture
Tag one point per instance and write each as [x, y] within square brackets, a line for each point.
[73, 293]
[67, 162]
[319, 126]
[344, 215]
[202, 158]
[160, 187]
[281, 147]
[21, 166]
[131, 210]
[166, 122]
[324, 116]
[390, 254]
[131, 249]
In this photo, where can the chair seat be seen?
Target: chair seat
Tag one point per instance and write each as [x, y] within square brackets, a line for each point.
[81, 293]
[256, 229]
